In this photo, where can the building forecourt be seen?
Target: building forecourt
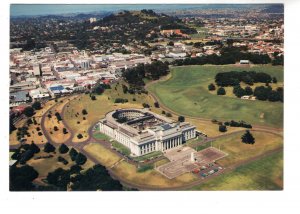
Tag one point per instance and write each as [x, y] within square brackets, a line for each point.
[143, 131]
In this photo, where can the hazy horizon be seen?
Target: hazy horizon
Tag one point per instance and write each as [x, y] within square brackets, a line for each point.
[57, 9]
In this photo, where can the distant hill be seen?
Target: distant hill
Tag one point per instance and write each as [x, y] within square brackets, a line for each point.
[274, 8]
[112, 30]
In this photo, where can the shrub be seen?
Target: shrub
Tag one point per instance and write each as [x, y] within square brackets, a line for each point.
[79, 136]
[222, 128]
[168, 114]
[156, 104]
[93, 97]
[55, 128]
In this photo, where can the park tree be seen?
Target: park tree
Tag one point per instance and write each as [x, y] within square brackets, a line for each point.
[156, 104]
[34, 148]
[95, 178]
[65, 131]
[211, 87]
[49, 147]
[248, 90]
[93, 97]
[73, 154]
[261, 92]
[274, 80]
[98, 89]
[25, 156]
[59, 178]
[221, 91]
[20, 178]
[63, 149]
[274, 96]
[84, 111]
[239, 92]
[181, 119]
[29, 111]
[222, 128]
[79, 136]
[36, 105]
[80, 159]
[248, 138]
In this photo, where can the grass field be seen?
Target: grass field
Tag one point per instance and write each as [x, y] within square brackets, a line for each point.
[238, 151]
[129, 172]
[263, 174]
[105, 157]
[32, 128]
[186, 93]
[98, 108]
[148, 156]
[57, 136]
[101, 136]
[121, 148]
[44, 166]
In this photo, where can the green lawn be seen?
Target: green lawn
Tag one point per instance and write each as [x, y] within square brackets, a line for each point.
[194, 141]
[263, 174]
[238, 151]
[186, 93]
[148, 156]
[101, 136]
[121, 148]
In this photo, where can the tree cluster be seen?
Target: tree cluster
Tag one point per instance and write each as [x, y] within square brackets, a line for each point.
[233, 123]
[233, 78]
[135, 76]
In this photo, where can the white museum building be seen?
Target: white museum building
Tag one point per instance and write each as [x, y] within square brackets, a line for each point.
[143, 131]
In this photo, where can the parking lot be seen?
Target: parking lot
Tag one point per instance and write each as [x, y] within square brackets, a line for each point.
[181, 162]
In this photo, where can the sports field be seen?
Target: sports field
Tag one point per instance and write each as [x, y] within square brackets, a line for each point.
[263, 174]
[186, 93]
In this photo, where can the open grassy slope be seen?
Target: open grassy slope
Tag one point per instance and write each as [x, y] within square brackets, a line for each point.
[186, 93]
